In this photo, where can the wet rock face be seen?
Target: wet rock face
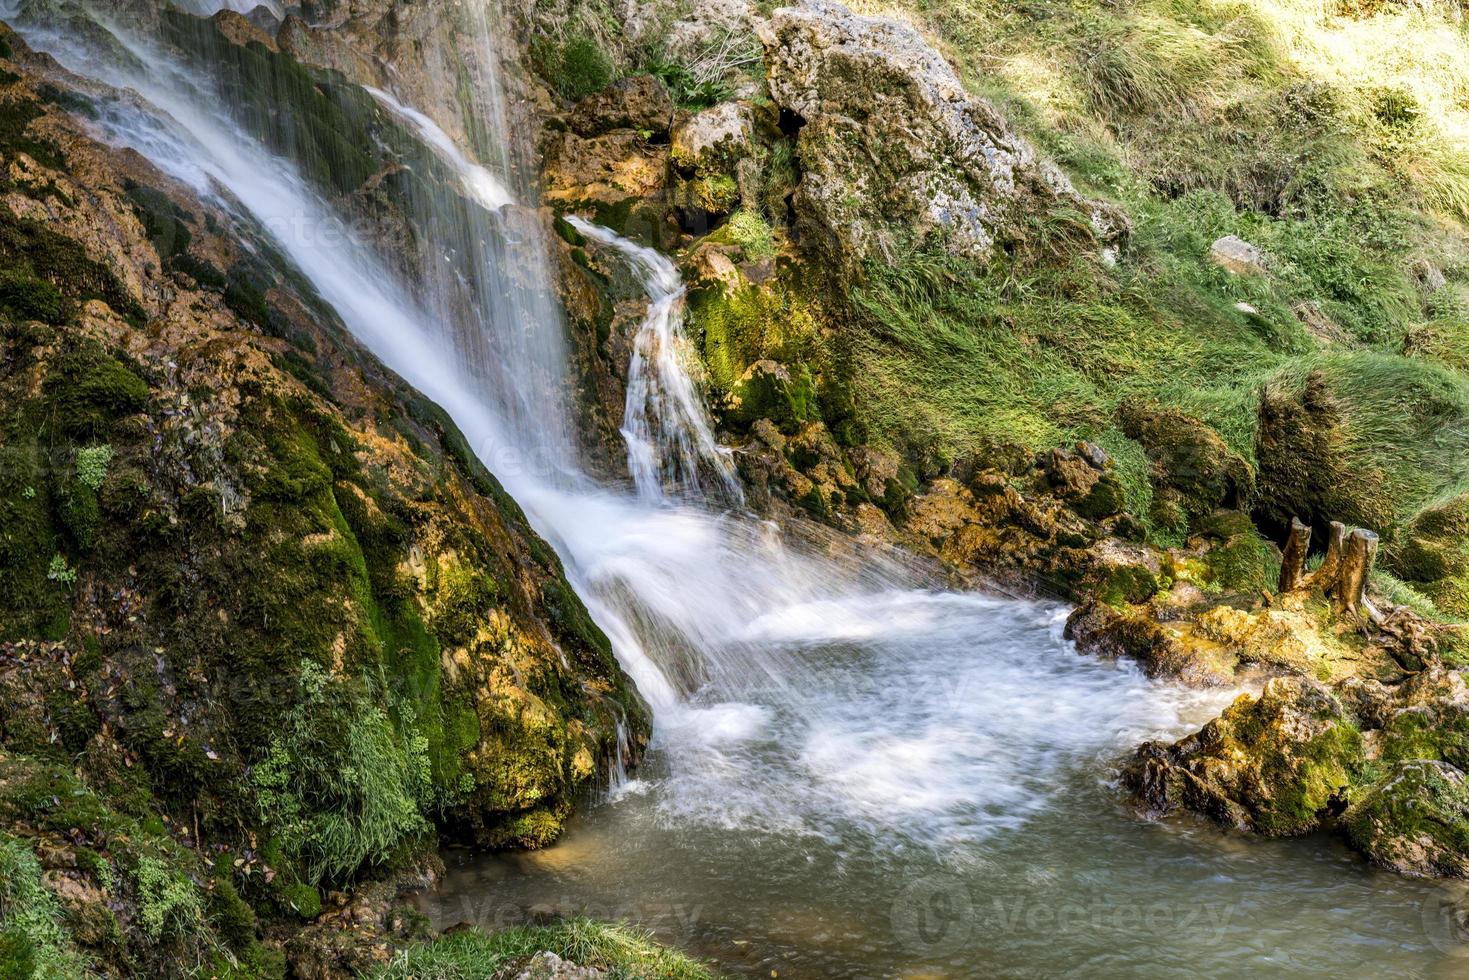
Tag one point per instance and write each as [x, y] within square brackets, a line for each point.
[893, 148]
[217, 507]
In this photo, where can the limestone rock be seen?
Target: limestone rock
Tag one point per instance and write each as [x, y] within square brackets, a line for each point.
[894, 150]
[1069, 473]
[1280, 764]
[640, 103]
[1429, 277]
[711, 154]
[609, 170]
[1235, 255]
[549, 966]
[710, 141]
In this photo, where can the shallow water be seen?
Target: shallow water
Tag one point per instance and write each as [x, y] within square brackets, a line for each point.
[942, 805]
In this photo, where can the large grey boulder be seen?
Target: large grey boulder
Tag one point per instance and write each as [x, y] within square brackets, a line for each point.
[893, 149]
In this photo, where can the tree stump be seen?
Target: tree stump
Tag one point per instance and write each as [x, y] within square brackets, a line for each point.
[1356, 570]
[1293, 559]
[1344, 573]
[1325, 577]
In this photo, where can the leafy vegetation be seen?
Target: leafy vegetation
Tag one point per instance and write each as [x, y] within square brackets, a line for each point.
[624, 953]
[339, 788]
[33, 943]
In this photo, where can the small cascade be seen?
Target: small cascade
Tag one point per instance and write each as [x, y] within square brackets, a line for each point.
[669, 439]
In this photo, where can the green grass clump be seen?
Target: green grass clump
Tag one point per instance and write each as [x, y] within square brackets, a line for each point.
[576, 67]
[339, 788]
[626, 954]
[33, 943]
[752, 234]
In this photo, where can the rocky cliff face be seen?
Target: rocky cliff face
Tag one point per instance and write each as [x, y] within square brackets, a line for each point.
[267, 626]
[895, 152]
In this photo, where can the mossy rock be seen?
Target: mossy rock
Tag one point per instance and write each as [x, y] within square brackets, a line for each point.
[1415, 821]
[1432, 553]
[769, 390]
[1280, 765]
[1193, 472]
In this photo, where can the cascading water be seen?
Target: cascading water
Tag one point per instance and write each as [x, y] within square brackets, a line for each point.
[841, 753]
[667, 431]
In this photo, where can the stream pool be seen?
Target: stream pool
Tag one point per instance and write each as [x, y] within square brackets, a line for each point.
[877, 824]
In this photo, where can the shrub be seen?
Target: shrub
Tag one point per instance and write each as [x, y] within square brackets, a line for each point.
[59, 571]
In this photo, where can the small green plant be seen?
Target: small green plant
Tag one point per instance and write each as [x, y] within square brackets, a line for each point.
[92, 463]
[59, 571]
[33, 943]
[687, 91]
[169, 904]
[752, 234]
[29, 493]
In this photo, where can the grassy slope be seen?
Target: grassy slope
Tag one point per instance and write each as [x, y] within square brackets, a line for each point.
[1340, 144]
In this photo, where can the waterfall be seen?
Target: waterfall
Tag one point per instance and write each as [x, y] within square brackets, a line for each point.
[669, 438]
[798, 683]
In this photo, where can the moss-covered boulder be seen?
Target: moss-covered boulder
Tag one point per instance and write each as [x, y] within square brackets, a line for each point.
[1415, 821]
[1193, 471]
[1279, 765]
[1432, 553]
[769, 390]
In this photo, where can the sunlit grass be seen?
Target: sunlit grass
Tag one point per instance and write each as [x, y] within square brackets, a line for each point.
[624, 953]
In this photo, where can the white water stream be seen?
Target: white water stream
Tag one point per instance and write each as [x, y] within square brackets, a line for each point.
[804, 693]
